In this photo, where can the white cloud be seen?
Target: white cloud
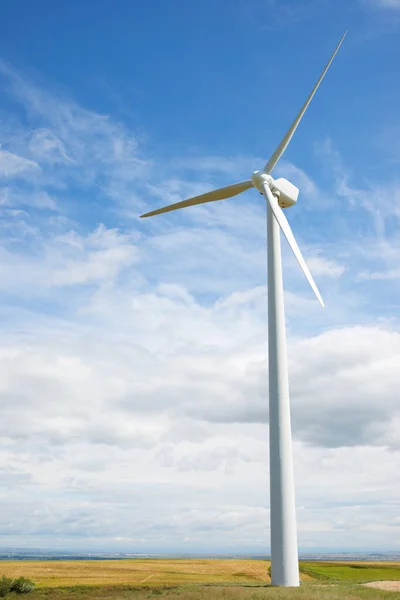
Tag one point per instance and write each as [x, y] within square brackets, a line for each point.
[69, 259]
[378, 200]
[391, 274]
[11, 196]
[12, 165]
[324, 267]
[75, 147]
[99, 257]
[390, 4]
[163, 397]
[45, 145]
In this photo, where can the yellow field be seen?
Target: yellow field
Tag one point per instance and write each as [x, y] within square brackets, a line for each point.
[172, 572]
[138, 571]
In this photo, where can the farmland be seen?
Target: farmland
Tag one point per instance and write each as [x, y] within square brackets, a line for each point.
[192, 579]
[137, 572]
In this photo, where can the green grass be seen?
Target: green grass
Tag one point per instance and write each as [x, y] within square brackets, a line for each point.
[215, 592]
[355, 572]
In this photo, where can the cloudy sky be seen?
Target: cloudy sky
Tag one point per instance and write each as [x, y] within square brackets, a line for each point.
[133, 354]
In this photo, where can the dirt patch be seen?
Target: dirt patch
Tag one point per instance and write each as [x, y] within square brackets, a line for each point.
[392, 586]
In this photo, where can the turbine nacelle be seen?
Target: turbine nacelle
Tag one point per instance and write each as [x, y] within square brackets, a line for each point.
[285, 192]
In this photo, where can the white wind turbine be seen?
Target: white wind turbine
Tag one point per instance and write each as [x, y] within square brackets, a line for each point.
[279, 193]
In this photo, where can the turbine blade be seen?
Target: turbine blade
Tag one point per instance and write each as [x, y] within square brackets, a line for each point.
[220, 194]
[284, 225]
[288, 136]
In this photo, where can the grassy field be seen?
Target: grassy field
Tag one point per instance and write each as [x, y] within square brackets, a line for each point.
[358, 572]
[197, 580]
[201, 592]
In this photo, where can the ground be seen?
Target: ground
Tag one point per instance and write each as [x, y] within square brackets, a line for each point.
[210, 579]
[392, 586]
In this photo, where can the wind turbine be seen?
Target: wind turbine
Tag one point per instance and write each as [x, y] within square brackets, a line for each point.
[279, 194]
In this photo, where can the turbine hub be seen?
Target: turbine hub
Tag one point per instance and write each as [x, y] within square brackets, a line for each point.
[285, 192]
[260, 178]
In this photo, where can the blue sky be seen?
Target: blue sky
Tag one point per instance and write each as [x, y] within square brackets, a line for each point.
[133, 360]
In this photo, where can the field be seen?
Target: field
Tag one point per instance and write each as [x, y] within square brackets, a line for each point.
[209, 579]
[356, 571]
[137, 572]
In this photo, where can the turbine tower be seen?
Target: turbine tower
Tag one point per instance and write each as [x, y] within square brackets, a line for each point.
[279, 194]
